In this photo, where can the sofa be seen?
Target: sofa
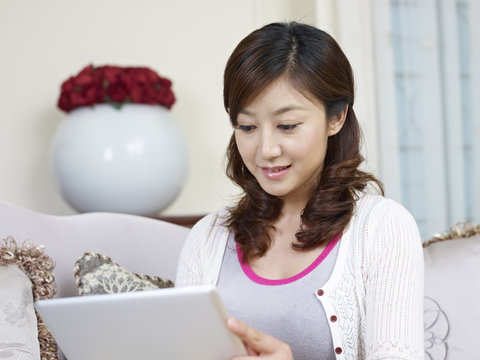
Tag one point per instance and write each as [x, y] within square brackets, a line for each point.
[144, 246]
[152, 247]
[452, 292]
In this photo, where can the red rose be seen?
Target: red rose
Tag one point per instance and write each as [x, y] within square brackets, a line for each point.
[64, 102]
[69, 84]
[110, 73]
[114, 84]
[84, 79]
[117, 92]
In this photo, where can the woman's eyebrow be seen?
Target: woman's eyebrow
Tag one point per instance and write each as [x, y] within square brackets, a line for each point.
[286, 109]
[245, 112]
[276, 112]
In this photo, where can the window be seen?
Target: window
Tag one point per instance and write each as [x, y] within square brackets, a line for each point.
[428, 143]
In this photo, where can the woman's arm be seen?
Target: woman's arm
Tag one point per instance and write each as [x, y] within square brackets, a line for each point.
[394, 285]
[190, 270]
[202, 253]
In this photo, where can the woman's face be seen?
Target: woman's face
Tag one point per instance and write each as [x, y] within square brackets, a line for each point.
[282, 138]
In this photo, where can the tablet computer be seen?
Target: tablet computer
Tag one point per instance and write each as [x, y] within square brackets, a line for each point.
[175, 323]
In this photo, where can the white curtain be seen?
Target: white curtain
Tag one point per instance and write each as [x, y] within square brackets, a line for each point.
[424, 103]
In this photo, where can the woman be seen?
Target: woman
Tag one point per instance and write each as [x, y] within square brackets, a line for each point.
[314, 266]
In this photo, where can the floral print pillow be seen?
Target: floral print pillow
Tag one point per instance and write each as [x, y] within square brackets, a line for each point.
[99, 274]
[18, 324]
[26, 275]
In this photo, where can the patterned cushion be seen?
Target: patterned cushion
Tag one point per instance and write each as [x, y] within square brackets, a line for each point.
[25, 275]
[98, 274]
[452, 289]
[18, 324]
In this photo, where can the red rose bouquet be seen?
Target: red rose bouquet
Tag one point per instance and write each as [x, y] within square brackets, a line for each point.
[116, 86]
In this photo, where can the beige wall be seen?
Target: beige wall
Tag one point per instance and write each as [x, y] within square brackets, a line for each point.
[44, 42]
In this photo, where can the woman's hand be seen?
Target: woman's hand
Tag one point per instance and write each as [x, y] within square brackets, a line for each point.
[259, 344]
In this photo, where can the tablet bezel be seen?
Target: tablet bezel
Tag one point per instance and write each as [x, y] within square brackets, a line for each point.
[173, 323]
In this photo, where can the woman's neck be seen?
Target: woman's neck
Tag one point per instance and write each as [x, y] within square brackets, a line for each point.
[292, 209]
[288, 223]
[281, 260]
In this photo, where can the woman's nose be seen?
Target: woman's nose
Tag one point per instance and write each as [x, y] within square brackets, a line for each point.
[269, 146]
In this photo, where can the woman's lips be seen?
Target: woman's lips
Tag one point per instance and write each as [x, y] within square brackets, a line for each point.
[276, 172]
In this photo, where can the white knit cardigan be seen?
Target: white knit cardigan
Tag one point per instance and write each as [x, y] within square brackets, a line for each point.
[374, 296]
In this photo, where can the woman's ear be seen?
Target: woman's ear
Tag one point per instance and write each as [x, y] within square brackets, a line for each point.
[335, 123]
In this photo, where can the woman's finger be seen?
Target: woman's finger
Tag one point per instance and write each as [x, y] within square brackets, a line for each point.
[258, 343]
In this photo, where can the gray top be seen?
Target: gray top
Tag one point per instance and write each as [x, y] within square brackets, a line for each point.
[286, 309]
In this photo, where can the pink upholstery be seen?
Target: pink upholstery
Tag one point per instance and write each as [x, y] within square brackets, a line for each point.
[139, 244]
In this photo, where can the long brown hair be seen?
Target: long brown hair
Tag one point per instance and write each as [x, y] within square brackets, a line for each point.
[314, 64]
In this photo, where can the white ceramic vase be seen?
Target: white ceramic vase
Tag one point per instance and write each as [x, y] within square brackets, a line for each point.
[129, 160]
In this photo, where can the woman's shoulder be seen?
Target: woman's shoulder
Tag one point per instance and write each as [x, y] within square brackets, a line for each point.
[202, 250]
[376, 206]
[211, 226]
[377, 217]
[214, 219]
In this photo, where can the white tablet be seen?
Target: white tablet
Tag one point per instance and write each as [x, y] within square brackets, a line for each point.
[174, 323]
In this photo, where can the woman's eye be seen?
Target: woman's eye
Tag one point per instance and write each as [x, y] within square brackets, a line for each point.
[287, 126]
[245, 128]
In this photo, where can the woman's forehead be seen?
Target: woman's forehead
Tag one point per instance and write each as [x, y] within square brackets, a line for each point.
[281, 95]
